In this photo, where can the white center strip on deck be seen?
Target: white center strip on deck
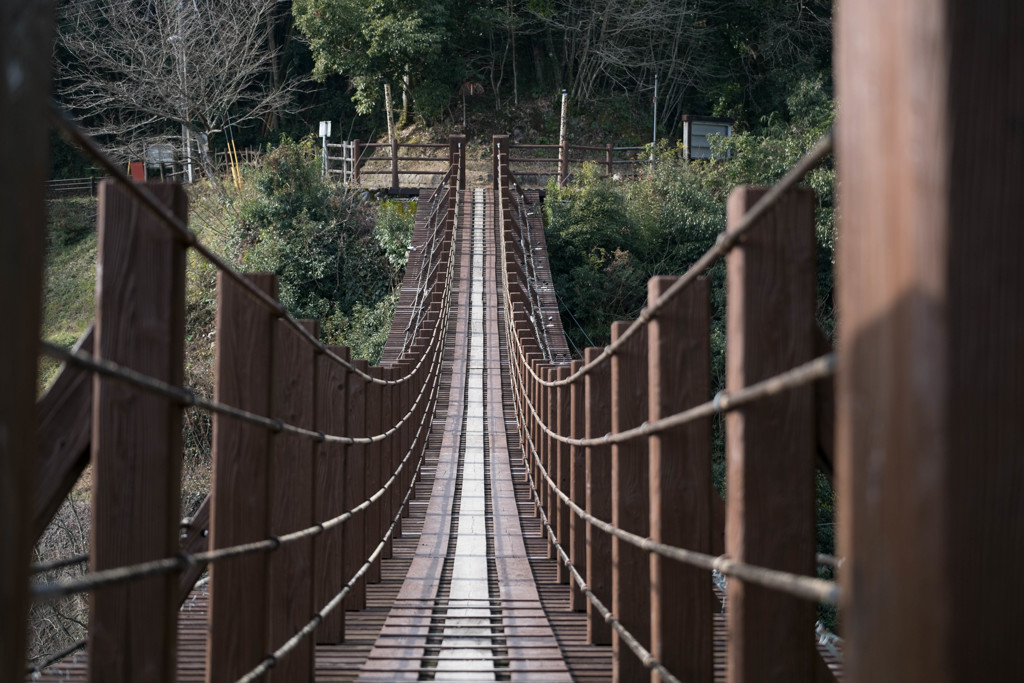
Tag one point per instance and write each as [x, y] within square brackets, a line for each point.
[467, 649]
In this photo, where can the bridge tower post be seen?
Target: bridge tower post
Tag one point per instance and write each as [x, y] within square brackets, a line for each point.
[931, 338]
[457, 155]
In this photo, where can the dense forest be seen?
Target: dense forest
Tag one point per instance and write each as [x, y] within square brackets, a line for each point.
[143, 72]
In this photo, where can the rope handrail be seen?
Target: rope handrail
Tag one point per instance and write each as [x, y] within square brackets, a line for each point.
[412, 329]
[272, 658]
[80, 137]
[805, 587]
[819, 368]
[183, 560]
[506, 179]
[43, 567]
[187, 397]
[642, 653]
[724, 243]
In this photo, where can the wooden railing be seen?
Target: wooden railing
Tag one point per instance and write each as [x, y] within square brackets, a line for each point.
[291, 417]
[356, 155]
[538, 162]
[621, 444]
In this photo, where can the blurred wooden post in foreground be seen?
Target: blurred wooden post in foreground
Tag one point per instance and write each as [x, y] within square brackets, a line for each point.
[931, 376]
[25, 51]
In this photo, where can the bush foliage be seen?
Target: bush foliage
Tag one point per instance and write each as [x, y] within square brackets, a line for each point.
[338, 257]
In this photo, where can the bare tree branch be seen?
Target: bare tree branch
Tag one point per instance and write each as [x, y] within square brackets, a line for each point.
[141, 71]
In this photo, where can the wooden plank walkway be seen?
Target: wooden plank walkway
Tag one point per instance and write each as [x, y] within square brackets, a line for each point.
[472, 487]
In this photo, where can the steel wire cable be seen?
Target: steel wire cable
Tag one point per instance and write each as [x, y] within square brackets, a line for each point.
[805, 587]
[532, 279]
[271, 659]
[724, 243]
[183, 561]
[78, 136]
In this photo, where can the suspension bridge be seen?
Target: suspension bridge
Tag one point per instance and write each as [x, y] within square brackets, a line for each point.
[482, 506]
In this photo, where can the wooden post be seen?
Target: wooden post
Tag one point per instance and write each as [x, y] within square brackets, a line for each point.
[609, 166]
[770, 444]
[63, 437]
[931, 380]
[597, 391]
[240, 486]
[560, 467]
[328, 547]
[494, 161]
[387, 457]
[357, 150]
[395, 184]
[136, 437]
[25, 45]
[535, 399]
[355, 487]
[577, 487]
[292, 486]
[406, 395]
[374, 451]
[679, 368]
[631, 579]
[457, 153]
[550, 461]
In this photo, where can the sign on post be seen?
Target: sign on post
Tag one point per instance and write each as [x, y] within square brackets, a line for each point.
[325, 132]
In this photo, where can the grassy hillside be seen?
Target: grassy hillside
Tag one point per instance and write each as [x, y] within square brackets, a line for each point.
[68, 301]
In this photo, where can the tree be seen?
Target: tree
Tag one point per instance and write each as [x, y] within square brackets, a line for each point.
[623, 44]
[373, 42]
[140, 71]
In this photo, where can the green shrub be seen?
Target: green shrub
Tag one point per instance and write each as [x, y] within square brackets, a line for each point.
[334, 264]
